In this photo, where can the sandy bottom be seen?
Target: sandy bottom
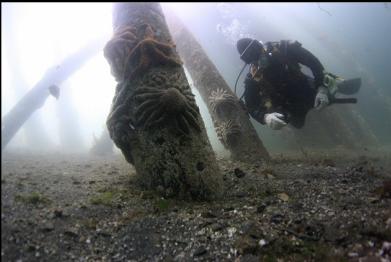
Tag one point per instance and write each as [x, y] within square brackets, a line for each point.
[87, 208]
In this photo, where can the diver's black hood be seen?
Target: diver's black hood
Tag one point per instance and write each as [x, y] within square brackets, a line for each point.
[249, 49]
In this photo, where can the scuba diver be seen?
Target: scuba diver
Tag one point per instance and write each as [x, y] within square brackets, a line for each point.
[277, 92]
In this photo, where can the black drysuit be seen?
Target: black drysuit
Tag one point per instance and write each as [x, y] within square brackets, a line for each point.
[283, 88]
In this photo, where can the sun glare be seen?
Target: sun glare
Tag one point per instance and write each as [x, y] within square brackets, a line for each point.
[43, 34]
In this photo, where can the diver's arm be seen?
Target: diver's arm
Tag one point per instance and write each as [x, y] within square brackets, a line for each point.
[305, 57]
[258, 110]
[253, 100]
[258, 115]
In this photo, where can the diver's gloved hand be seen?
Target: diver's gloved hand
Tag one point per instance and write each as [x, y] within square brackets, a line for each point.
[274, 120]
[322, 98]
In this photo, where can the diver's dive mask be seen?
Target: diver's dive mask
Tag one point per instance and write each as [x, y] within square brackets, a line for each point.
[262, 62]
[252, 52]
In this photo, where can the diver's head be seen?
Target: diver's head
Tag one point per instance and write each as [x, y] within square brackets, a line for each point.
[250, 50]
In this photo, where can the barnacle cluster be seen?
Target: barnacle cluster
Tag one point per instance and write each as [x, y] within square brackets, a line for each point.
[228, 132]
[225, 107]
[131, 52]
[222, 103]
[161, 101]
[120, 122]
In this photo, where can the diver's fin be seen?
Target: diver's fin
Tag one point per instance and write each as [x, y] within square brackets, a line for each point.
[343, 100]
[350, 86]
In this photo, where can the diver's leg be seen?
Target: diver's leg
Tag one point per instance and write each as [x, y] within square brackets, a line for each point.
[297, 121]
[298, 115]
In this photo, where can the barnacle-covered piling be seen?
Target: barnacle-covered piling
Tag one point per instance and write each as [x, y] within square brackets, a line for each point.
[154, 119]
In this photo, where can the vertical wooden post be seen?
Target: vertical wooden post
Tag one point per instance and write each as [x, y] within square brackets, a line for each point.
[154, 119]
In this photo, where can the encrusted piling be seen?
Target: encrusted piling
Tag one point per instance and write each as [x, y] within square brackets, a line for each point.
[154, 119]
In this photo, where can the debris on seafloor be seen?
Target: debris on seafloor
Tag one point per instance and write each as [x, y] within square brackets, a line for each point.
[239, 173]
[384, 191]
[283, 196]
[328, 162]
[268, 173]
